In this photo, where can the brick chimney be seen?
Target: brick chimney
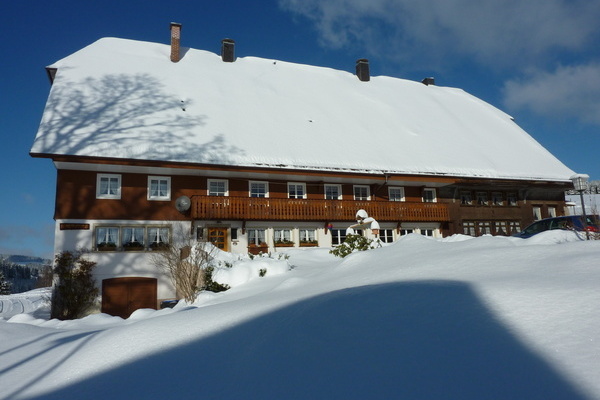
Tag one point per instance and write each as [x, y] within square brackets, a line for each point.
[362, 69]
[175, 38]
[228, 50]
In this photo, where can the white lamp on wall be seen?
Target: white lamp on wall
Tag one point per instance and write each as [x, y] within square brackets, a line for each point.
[580, 185]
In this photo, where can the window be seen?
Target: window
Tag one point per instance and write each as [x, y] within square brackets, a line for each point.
[537, 212]
[256, 237]
[511, 199]
[497, 199]
[361, 192]
[133, 238]
[308, 236]
[465, 198]
[159, 188]
[107, 238]
[429, 195]
[469, 228]
[337, 236]
[404, 232]
[297, 190]
[551, 211]
[218, 187]
[501, 228]
[396, 193]
[386, 235]
[259, 189]
[283, 236]
[127, 238]
[333, 192]
[482, 198]
[514, 227]
[158, 237]
[484, 227]
[108, 186]
[427, 232]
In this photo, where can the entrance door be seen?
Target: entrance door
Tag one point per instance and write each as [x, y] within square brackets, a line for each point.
[218, 237]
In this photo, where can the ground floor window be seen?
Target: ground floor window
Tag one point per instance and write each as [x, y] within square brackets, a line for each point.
[338, 236]
[282, 237]
[128, 238]
[386, 235]
[257, 237]
[502, 228]
[308, 237]
[404, 232]
[427, 232]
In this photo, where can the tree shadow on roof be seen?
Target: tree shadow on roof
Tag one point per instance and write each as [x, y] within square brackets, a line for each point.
[124, 116]
[412, 340]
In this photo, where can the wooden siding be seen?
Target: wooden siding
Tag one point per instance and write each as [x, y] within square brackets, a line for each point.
[252, 208]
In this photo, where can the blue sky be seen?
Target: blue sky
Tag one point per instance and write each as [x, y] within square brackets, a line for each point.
[538, 61]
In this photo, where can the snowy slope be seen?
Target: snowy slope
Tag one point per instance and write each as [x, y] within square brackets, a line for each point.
[455, 318]
[125, 99]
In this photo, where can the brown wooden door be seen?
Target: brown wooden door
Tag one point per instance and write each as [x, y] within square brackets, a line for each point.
[122, 296]
[218, 237]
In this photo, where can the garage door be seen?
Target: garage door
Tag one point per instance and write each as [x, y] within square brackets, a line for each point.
[122, 296]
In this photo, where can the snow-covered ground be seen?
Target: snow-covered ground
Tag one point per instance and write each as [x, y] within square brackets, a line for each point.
[454, 318]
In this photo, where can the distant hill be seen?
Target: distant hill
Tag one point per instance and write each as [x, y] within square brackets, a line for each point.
[25, 260]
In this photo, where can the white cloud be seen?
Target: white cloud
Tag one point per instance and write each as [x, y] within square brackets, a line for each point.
[494, 32]
[572, 91]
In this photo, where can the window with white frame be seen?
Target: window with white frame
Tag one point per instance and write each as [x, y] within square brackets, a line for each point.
[296, 190]
[218, 187]
[256, 237]
[159, 188]
[514, 226]
[362, 192]
[333, 192]
[259, 189]
[429, 195]
[108, 186]
[484, 227]
[404, 231]
[396, 193]
[386, 235]
[282, 236]
[307, 236]
[337, 236]
[501, 228]
[427, 232]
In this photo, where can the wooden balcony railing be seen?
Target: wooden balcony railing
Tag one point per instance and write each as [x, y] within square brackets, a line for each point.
[268, 209]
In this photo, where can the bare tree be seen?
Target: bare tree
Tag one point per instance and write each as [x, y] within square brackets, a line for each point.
[185, 262]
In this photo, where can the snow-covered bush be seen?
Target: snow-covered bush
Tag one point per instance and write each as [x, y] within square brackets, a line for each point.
[351, 244]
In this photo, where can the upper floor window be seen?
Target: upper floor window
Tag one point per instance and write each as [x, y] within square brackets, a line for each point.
[259, 189]
[218, 187]
[396, 194]
[362, 192]
[497, 199]
[511, 199]
[333, 192]
[465, 198]
[429, 195]
[108, 186]
[297, 190]
[482, 198]
[159, 188]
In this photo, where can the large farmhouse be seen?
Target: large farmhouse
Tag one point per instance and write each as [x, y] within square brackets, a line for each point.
[256, 154]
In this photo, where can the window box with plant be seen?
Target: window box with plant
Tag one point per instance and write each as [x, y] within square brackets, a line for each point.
[256, 249]
[133, 246]
[284, 243]
[309, 243]
[107, 246]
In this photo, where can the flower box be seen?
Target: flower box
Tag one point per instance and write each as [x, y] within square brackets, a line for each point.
[255, 250]
[107, 246]
[309, 244]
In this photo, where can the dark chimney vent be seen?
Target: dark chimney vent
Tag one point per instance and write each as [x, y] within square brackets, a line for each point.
[175, 39]
[428, 81]
[228, 50]
[362, 69]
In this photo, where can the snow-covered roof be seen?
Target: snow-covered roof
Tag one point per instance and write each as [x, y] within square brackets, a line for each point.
[125, 99]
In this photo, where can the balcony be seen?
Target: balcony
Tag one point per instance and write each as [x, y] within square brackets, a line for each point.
[269, 209]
